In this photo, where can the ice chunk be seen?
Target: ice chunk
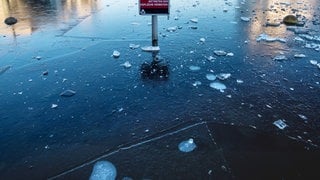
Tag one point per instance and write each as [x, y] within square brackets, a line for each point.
[194, 68]
[103, 170]
[280, 58]
[303, 116]
[53, 106]
[299, 55]
[172, 29]
[218, 86]
[116, 54]
[223, 76]
[211, 77]
[194, 20]
[196, 83]
[313, 62]
[202, 40]
[230, 54]
[246, 19]
[220, 53]
[68, 93]
[150, 48]
[134, 46]
[126, 64]
[187, 146]
[239, 81]
[267, 38]
[210, 58]
[280, 124]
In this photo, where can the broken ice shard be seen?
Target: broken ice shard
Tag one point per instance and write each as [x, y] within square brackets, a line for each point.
[280, 124]
[211, 77]
[103, 170]
[116, 54]
[187, 146]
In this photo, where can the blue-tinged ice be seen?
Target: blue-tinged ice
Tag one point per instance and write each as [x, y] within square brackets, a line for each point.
[103, 170]
[211, 77]
[187, 146]
[194, 68]
[280, 124]
[218, 86]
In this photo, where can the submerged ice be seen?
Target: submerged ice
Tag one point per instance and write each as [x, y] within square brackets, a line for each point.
[103, 170]
[187, 146]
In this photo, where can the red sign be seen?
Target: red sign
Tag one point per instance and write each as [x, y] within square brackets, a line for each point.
[154, 7]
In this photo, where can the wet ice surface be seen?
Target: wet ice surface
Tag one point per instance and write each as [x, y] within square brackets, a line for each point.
[114, 106]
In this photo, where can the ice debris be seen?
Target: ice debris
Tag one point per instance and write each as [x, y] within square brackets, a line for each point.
[299, 55]
[194, 68]
[211, 77]
[68, 93]
[196, 83]
[223, 76]
[134, 46]
[187, 146]
[126, 64]
[218, 86]
[280, 124]
[194, 20]
[267, 38]
[314, 62]
[150, 48]
[103, 170]
[280, 58]
[53, 106]
[172, 29]
[220, 53]
[246, 19]
[202, 40]
[116, 54]
[210, 58]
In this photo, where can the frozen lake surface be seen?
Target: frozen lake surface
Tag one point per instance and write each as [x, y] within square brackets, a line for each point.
[235, 79]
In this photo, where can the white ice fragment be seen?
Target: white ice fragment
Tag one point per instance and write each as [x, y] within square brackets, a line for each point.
[194, 68]
[202, 40]
[126, 64]
[103, 170]
[280, 58]
[116, 54]
[134, 46]
[210, 58]
[303, 116]
[299, 55]
[220, 53]
[150, 48]
[223, 76]
[187, 146]
[267, 38]
[280, 124]
[230, 54]
[172, 29]
[196, 83]
[246, 19]
[194, 20]
[38, 57]
[239, 81]
[218, 86]
[313, 62]
[53, 106]
[211, 77]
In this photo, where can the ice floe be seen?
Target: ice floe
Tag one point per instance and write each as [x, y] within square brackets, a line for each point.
[194, 68]
[116, 54]
[134, 46]
[194, 20]
[103, 170]
[150, 48]
[299, 55]
[211, 77]
[223, 76]
[220, 53]
[246, 19]
[126, 64]
[267, 38]
[280, 124]
[187, 146]
[280, 58]
[218, 86]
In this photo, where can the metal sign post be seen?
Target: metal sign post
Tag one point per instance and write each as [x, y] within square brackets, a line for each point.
[154, 30]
